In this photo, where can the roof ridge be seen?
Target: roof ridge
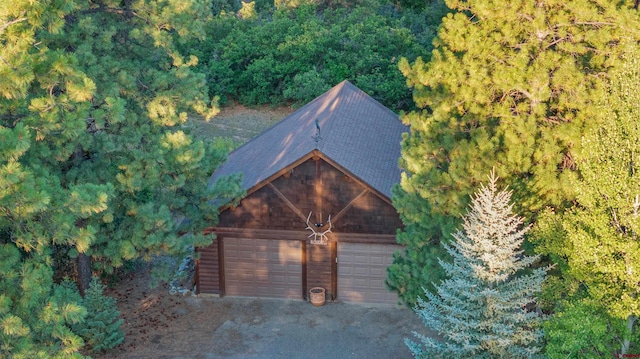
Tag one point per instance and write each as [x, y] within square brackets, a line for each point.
[339, 88]
[356, 131]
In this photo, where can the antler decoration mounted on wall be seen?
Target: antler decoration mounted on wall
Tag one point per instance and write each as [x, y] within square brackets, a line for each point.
[318, 237]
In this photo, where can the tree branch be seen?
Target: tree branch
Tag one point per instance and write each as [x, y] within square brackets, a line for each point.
[7, 24]
[115, 11]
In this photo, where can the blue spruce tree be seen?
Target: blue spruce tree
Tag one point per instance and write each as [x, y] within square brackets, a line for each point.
[480, 309]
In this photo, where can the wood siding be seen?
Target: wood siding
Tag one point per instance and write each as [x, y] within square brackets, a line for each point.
[319, 259]
[208, 270]
[361, 211]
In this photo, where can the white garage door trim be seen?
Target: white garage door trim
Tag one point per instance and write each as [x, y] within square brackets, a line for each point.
[262, 268]
[362, 270]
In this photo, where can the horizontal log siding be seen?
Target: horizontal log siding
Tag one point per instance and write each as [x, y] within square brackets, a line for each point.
[208, 281]
[319, 269]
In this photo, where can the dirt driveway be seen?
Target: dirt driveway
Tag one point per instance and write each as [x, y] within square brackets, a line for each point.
[160, 325]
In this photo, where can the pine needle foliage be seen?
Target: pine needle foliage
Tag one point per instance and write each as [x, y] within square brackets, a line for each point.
[480, 309]
[36, 315]
[511, 85]
[102, 327]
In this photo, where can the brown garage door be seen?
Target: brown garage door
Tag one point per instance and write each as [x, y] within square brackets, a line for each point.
[362, 270]
[262, 268]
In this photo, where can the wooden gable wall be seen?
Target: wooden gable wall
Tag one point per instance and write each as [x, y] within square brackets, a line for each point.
[313, 186]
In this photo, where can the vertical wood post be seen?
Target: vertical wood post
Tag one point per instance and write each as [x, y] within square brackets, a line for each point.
[304, 270]
[334, 269]
[318, 189]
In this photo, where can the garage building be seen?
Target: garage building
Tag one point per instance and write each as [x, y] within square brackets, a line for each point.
[317, 210]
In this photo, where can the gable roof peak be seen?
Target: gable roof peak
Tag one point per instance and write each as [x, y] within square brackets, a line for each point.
[348, 126]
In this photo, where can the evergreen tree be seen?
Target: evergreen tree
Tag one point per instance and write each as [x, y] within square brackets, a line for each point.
[597, 242]
[480, 309]
[101, 329]
[96, 162]
[35, 315]
[39, 86]
[510, 84]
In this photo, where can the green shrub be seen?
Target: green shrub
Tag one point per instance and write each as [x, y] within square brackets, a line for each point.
[101, 329]
[294, 55]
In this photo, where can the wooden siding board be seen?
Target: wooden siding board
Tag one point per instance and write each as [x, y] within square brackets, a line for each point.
[208, 277]
[319, 269]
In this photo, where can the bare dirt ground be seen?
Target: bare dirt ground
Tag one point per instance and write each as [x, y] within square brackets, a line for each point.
[155, 321]
[239, 123]
[159, 325]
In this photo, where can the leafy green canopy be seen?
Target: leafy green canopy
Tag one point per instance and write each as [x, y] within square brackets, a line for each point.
[597, 242]
[510, 85]
[294, 55]
[480, 310]
[95, 157]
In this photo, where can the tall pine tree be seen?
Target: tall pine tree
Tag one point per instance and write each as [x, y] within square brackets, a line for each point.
[41, 92]
[96, 163]
[511, 85]
[480, 309]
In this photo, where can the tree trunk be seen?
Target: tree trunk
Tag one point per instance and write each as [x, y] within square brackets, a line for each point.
[627, 341]
[83, 267]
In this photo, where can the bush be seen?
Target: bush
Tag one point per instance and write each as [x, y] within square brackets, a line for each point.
[581, 330]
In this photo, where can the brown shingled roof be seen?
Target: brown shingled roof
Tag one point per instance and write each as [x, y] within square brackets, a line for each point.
[356, 132]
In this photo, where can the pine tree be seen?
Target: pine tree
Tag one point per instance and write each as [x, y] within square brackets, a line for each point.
[480, 309]
[35, 315]
[101, 329]
[135, 139]
[596, 243]
[96, 160]
[511, 85]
